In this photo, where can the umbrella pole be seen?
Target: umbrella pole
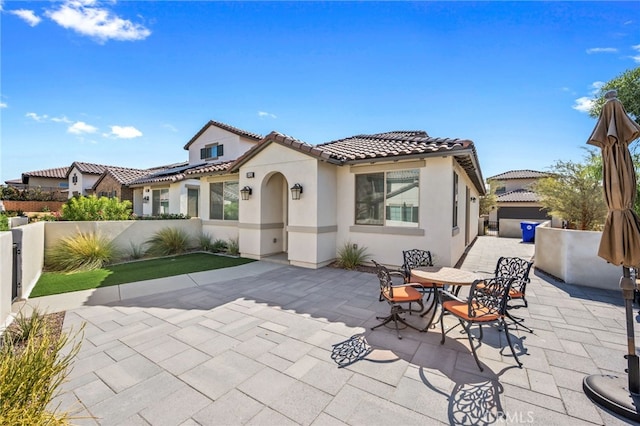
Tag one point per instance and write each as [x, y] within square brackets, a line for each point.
[628, 286]
[612, 392]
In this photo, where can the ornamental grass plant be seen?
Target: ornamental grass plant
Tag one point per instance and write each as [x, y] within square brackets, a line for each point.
[81, 252]
[168, 241]
[32, 368]
[350, 255]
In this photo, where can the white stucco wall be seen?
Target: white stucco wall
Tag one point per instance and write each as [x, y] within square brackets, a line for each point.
[434, 232]
[572, 256]
[84, 184]
[234, 145]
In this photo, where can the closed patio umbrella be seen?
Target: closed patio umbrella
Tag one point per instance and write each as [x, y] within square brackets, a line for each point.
[620, 245]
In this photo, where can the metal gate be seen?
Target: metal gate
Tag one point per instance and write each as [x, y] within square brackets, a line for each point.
[490, 227]
[15, 272]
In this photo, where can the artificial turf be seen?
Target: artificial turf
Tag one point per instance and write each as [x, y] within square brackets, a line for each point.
[57, 282]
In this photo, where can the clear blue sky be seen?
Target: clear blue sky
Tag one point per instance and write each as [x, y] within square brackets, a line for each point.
[129, 83]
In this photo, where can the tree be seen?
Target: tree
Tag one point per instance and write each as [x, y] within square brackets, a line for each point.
[628, 86]
[489, 201]
[574, 192]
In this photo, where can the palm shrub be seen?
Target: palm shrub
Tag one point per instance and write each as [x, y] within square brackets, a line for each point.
[94, 208]
[350, 255]
[31, 372]
[81, 252]
[168, 241]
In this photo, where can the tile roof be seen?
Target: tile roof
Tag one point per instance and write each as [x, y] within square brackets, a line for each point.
[56, 173]
[210, 168]
[226, 127]
[123, 176]
[518, 196]
[520, 174]
[94, 169]
[388, 145]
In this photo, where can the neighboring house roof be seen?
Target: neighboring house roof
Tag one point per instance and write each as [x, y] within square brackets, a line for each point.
[55, 173]
[122, 176]
[520, 174]
[518, 196]
[93, 169]
[227, 127]
[170, 174]
[380, 146]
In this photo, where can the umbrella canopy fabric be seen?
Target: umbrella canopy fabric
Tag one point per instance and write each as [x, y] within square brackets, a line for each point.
[620, 243]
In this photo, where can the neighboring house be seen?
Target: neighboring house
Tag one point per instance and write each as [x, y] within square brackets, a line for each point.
[385, 192]
[514, 198]
[174, 190]
[48, 180]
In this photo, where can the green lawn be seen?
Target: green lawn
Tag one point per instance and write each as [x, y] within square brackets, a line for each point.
[56, 282]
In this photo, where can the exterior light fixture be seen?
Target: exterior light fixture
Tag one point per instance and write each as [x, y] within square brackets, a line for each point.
[473, 199]
[296, 190]
[74, 179]
[245, 192]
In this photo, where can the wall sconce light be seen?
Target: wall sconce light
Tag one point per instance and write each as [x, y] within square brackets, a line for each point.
[296, 190]
[245, 192]
[145, 199]
[473, 199]
[74, 179]
[146, 190]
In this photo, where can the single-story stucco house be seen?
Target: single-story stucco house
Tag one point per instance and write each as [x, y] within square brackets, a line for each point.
[283, 198]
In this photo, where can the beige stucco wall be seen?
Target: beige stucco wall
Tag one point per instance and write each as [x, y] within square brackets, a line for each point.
[123, 233]
[31, 242]
[434, 232]
[44, 182]
[270, 222]
[234, 145]
[6, 250]
[572, 256]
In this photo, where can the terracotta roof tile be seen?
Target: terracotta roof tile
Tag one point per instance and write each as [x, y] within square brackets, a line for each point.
[520, 174]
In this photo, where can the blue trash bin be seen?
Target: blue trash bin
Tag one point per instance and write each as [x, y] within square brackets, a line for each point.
[528, 231]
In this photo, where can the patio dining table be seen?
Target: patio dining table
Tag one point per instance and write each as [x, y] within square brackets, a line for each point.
[444, 276]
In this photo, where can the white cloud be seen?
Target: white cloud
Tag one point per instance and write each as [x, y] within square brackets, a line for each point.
[602, 50]
[585, 103]
[88, 18]
[62, 119]
[263, 114]
[28, 16]
[125, 132]
[80, 127]
[170, 127]
[636, 58]
[3, 105]
[36, 117]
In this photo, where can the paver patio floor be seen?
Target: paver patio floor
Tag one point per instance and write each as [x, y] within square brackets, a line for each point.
[254, 346]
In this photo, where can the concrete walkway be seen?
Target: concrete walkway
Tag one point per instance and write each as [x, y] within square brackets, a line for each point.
[269, 344]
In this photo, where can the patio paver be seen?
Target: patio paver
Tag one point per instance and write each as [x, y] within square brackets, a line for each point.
[252, 345]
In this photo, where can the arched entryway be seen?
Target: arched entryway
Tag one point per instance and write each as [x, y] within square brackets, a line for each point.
[274, 216]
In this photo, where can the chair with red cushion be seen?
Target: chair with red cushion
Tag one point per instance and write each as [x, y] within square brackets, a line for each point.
[487, 304]
[397, 296]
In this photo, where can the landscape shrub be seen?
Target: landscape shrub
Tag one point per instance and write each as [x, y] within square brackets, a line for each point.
[81, 252]
[163, 216]
[168, 241]
[95, 209]
[219, 246]
[4, 222]
[205, 241]
[233, 246]
[33, 365]
[350, 256]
